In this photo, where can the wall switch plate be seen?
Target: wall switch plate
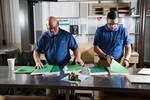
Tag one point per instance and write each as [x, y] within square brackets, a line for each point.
[91, 39]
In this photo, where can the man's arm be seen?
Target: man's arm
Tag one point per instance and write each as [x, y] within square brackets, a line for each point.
[99, 52]
[36, 56]
[77, 55]
[127, 55]
[102, 54]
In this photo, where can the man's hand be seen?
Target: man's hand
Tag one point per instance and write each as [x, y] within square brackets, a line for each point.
[77, 55]
[37, 60]
[105, 62]
[78, 60]
[39, 65]
[125, 63]
[109, 60]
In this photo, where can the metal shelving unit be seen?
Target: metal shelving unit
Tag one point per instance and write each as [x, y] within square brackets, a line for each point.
[104, 8]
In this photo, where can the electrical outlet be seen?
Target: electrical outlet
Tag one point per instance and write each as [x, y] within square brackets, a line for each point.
[90, 39]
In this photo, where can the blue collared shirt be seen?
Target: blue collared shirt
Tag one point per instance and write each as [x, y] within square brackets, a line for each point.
[112, 42]
[56, 48]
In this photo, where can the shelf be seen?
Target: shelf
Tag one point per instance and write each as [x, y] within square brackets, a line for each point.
[96, 16]
[135, 15]
[134, 33]
[123, 11]
[138, 15]
[104, 8]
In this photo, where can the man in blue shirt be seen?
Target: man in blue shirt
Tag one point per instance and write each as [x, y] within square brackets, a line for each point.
[112, 41]
[56, 43]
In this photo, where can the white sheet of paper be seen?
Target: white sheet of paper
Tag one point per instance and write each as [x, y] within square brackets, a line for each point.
[138, 78]
[145, 71]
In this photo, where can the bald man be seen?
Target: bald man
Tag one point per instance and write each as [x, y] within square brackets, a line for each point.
[56, 44]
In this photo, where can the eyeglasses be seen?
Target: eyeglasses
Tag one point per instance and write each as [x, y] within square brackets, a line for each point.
[113, 24]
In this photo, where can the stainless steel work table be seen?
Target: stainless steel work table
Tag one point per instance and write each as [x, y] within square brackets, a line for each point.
[115, 83]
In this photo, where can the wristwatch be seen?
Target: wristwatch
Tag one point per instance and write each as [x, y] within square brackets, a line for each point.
[126, 60]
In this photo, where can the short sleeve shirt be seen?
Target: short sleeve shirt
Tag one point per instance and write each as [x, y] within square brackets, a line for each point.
[112, 42]
[56, 48]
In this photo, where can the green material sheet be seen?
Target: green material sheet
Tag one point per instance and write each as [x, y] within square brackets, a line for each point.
[55, 69]
[46, 69]
[25, 70]
[117, 68]
[97, 69]
[74, 68]
[31, 70]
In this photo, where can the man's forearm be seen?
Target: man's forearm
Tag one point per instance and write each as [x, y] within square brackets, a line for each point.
[99, 51]
[77, 53]
[36, 56]
[127, 52]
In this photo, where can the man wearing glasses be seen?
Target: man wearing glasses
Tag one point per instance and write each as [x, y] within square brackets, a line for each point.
[56, 44]
[112, 41]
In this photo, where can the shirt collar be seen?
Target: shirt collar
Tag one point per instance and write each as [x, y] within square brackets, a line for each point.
[106, 27]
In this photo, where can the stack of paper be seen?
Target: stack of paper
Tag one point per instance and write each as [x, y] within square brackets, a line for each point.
[48, 69]
[138, 78]
[72, 68]
[115, 68]
[145, 71]
[25, 70]
[55, 70]
[97, 71]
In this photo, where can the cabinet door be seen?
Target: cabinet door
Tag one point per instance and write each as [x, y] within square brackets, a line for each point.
[83, 10]
[45, 14]
[74, 9]
[55, 9]
[64, 9]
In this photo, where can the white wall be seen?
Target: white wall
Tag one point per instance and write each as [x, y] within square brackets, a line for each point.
[87, 24]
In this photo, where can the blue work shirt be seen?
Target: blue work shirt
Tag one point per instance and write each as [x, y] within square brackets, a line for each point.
[56, 48]
[112, 42]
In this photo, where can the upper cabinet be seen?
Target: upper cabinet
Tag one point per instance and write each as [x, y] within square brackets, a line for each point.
[64, 9]
[148, 8]
[104, 8]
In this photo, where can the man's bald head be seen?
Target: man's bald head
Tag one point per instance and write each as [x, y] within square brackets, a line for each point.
[52, 25]
[51, 20]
